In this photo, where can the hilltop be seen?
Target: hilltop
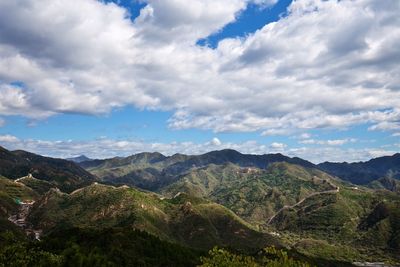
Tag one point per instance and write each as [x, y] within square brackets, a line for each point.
[224, 198]
[154, 170]
[191, 221]
[365, 172]
[64, 174]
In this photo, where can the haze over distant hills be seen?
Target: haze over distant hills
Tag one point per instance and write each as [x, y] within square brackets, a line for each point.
[365, 172]
[268, 131]
[79, 159]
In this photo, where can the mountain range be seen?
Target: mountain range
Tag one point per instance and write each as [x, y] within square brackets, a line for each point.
[153, 169]
[79, 159]
[224, 198]
[365, 172]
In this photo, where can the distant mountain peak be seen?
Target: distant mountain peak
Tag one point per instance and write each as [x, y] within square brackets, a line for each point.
[79, 159]
[226, 151]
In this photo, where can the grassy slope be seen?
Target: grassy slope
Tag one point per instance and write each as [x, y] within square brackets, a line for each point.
[329, 221]
[39, 186]
[254, 195]
[10, 191]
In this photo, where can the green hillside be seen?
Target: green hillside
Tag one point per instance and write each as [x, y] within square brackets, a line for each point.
[39, 186]
[387, 183]
[11, 192]
[223, 198]
[186, 220]
[66, 175]
[153, 171]
[347, 220]
[144, 170]
[310, 210]
[252, 193]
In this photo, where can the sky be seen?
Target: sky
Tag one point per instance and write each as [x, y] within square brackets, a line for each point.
[309, 78]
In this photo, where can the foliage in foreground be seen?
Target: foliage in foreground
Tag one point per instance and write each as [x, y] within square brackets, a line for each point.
[14, 251]
[124, 247]
[272, 257]
[87, 247]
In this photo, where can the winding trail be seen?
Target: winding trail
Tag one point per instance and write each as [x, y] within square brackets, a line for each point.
[331, 191]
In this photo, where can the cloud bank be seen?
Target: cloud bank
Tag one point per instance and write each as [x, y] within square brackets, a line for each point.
[327, 64]
[107, 148]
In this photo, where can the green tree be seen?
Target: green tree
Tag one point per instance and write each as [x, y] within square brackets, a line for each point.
[222, 258]
[20, 255]
[279, 258]
[272, 257]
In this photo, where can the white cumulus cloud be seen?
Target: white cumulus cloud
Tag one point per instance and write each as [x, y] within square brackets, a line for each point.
[107, 148]
[216, 142]
[327, 64]
[277, 146]
[333, 142]
[8, 139]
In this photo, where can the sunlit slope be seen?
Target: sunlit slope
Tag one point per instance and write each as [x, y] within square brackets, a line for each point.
[360, 219]
[252, 193]
[153, 171]
[188, 220]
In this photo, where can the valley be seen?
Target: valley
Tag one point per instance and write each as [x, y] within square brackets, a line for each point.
[223, 198]
[200, 133]
[21, 219]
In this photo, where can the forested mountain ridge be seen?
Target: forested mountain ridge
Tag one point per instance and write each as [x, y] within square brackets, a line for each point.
[224, 198]
[154, 170]
[365, 172]
[64, 174]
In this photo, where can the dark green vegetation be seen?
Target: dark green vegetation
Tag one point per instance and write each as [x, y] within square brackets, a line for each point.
[353, 219]
[310, 210]
[269, 257]
[186, 220]
[365, 172]
[125, 247]
[190, 204]
[152, 171]
[90, 247]
[39, 186]
[64, 174]
[254, 194]
[387, 183]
